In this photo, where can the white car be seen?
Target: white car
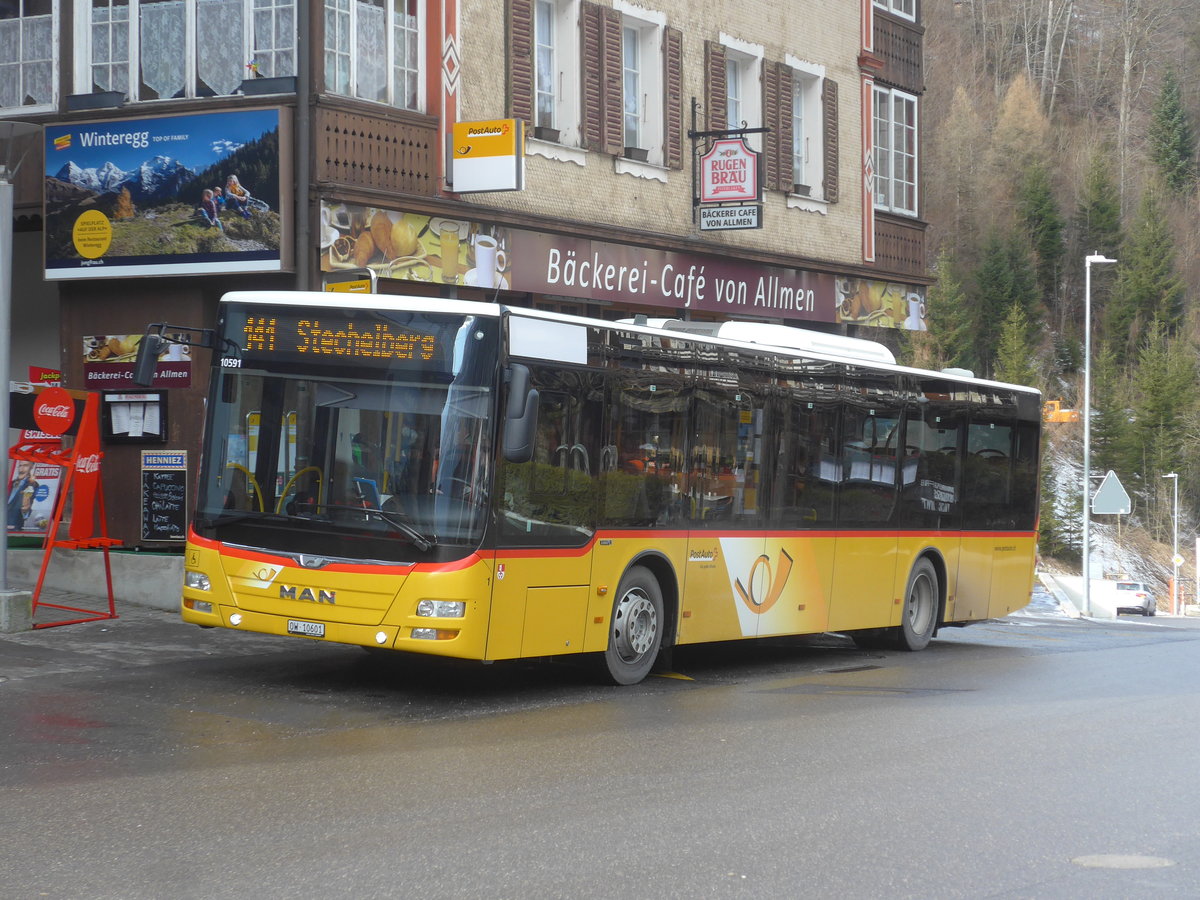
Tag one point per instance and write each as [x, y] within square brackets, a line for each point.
[1132, 596]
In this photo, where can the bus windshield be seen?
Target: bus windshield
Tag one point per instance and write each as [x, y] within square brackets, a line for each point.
[350, 434]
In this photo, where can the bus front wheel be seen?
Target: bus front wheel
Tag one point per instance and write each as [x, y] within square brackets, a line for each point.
[635, 627]
[920, 607]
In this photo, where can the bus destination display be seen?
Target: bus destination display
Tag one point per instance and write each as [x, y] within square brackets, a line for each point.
[335, 337]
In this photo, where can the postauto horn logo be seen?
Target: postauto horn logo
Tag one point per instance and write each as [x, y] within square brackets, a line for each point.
[774, 585]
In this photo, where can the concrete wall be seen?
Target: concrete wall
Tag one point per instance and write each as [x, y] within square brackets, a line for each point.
[147, 579]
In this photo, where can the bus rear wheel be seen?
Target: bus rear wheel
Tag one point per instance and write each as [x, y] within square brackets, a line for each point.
[635, 627]
[920, 607]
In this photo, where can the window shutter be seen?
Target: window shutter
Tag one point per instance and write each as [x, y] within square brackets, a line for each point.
[777, 116]
[829, 109]
[520, 60]
[784, 124]
[714, 86]
[673, 79]
[589, 62]
[770, 120]
[612, 92]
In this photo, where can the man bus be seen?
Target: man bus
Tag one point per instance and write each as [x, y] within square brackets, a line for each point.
[483, 482]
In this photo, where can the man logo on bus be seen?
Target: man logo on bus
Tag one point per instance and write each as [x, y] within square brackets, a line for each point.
[288, 592]
[775, 586]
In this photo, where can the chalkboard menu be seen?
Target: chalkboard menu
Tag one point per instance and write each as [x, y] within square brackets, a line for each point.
[164, 495]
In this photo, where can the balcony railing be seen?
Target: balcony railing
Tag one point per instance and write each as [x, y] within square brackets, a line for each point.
[900, 245]
[388, 151]
[900, 45]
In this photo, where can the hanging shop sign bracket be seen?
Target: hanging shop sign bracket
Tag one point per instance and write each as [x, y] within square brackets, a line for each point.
[725, 171]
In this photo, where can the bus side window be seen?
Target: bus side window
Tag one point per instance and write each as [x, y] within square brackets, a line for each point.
[871, 447]
[551, 500]
[646, 425]
[729, 417]
[1025, 476]
[931, 488]
[988, 470]
[803, 491]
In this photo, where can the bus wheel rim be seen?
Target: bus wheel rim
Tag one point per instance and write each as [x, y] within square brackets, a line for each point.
[920, 604]
[635, 625]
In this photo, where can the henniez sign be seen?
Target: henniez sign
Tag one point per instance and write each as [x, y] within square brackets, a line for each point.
[729, 173]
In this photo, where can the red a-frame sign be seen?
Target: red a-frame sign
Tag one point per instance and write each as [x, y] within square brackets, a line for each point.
[54, 411]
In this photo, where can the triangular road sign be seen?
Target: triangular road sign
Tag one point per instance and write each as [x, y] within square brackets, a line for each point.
[1110, 498]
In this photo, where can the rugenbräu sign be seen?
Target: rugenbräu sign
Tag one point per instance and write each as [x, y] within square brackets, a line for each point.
[729, 173]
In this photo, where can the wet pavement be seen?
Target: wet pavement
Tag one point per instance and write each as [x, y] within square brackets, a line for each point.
[1035, 755]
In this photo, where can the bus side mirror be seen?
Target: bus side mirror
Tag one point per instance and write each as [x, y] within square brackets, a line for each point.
[149, 349]
[520, 416]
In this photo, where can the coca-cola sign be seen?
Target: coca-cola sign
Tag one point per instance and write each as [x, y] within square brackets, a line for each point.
[54, 411]
[88, 465]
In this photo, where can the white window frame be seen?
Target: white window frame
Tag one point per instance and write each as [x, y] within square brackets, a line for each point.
[83, 63]
[22, 63]
[633, 99]
[563, 80]
[545, 65]
[890, 155]
[649, 27]
[905, 9]
[808, 126]
[408, 65]
[347, 13]
[743, 65]
[117, 68]
[260, 49]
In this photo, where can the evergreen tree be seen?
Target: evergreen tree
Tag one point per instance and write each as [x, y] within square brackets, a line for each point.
[1004, 278]
[1110, 418]
[1069, 513]
[1147, 287]
[1098, 229]
[1053, 534]
[1172, 146]
[1163, 389]
[949, 317]
[1098, 216]
[1016, 360]
[1040, 216]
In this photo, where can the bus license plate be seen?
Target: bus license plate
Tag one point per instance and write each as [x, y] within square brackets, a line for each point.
[308, 629]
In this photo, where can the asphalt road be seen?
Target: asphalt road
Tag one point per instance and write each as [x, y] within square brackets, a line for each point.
[1035, 756]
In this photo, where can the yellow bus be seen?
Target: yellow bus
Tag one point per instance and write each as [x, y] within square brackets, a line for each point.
[483, 482]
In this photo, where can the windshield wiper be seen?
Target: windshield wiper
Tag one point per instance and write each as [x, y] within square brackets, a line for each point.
[230, 518]
[421, 541]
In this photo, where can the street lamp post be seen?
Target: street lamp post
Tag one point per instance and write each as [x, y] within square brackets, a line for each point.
[1088, 261]
[1174, 476]
[15, 609]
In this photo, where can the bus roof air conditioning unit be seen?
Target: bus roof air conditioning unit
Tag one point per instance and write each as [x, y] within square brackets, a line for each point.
[803, 339]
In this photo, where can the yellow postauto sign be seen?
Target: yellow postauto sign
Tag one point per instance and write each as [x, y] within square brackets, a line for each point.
[489, 156]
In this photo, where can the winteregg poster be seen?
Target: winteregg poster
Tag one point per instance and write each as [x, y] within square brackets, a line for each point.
[167, 195]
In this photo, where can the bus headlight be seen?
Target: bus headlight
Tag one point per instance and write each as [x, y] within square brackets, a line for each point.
[197, 581]
[442, 609]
